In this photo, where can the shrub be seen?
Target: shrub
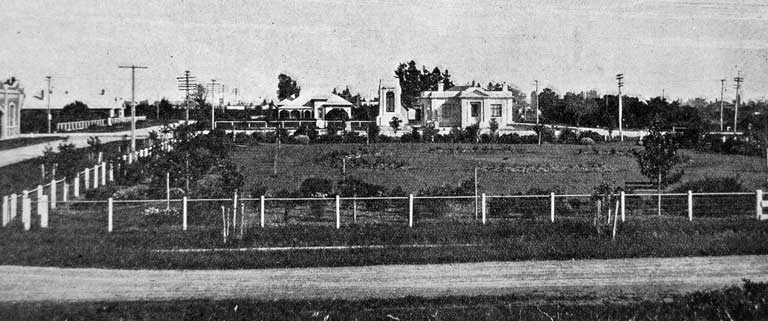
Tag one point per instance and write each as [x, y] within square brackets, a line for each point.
[586, 141]
[592, 135]
[712, 185]
[568, 136]
[301, 139]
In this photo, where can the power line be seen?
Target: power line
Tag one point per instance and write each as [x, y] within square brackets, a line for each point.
[186, 83]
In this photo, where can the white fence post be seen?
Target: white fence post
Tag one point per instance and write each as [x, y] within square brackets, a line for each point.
[103, 173]
[109, 214]
[43, 207]
[86, 179]
[690, 206]
[338, 212]
[95, 176]
[623, 199]
[26, 211]
[483, 207]
[261, 210]
[759, 207]
[410, 210]
[6, 210]
[13, 208]
[53, 193]
[65, 191]
[40, 197]
[76, 186]
[184, 213]
[552, 206]
[111, 172]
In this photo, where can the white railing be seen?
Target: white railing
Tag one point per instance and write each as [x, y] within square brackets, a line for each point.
[78, 125]
[122, 120]
[83, 124]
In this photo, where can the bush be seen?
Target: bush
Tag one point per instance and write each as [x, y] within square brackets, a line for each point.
[592, 135]
[568, 136]
[547, 134]
[712, 185]
[301, 139]
[586, 141]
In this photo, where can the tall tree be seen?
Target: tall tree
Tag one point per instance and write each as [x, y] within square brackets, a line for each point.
[287, 87]
[658, 156]
[413, 81]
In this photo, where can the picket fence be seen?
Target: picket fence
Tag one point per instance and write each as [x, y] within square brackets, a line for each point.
[83, 124]
[60, 190]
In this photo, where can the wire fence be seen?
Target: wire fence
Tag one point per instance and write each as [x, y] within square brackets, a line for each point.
[241, 214]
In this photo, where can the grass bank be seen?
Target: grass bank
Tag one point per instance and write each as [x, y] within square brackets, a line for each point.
[7, 144]
[746, 302]
[78, 245]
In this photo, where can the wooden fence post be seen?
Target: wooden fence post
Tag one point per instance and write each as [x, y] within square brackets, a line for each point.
[184, 213]
[410, 210]
[103, 173]
[86, 179]
[690, 206]
[483, 202]
[95, 176]
[338, 212]
[13, 208]
[109, 214]
[552, 206]
[6, 210]
[26, 211]
[261, 210]
[759, 205]
[40, 205]
[623, 199]
[65, 191]
[76, 186]
[111, 172]
[53, 193]
[43, 207]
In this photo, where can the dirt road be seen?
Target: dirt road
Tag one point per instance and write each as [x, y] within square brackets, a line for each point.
[646, 277]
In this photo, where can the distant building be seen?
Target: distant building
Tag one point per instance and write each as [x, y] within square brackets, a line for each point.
[11, 101]
[320, 107]
[463, 106]
[99, 101]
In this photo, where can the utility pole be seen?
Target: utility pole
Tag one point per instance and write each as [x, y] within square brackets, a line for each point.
[738, 81]
[213, 102]
[536, 94]
[620, 79]
[186, 83]
[722, 88]
[133, 103]
[48, 102]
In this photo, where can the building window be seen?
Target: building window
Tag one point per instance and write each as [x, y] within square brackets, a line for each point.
[475, 109]
[390, 102]
[13, 114]
[495, 110]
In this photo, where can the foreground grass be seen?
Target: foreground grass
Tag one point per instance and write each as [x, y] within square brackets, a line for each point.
[25, 141]
[747, 302]
[509, 240]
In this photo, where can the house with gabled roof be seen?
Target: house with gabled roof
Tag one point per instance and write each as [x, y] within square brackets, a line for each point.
[463, 106]
[320, 107]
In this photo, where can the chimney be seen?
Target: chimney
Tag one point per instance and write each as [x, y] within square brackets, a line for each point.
[440, 86]
[504, 86]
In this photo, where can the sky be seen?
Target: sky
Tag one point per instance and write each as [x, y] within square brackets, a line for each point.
[679, 47]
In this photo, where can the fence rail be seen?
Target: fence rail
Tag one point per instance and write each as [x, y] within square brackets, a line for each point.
[37, 208]
[83, 124]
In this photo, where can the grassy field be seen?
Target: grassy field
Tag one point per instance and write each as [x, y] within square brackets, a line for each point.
[503, 169]
[25, 141]
[734, 303]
